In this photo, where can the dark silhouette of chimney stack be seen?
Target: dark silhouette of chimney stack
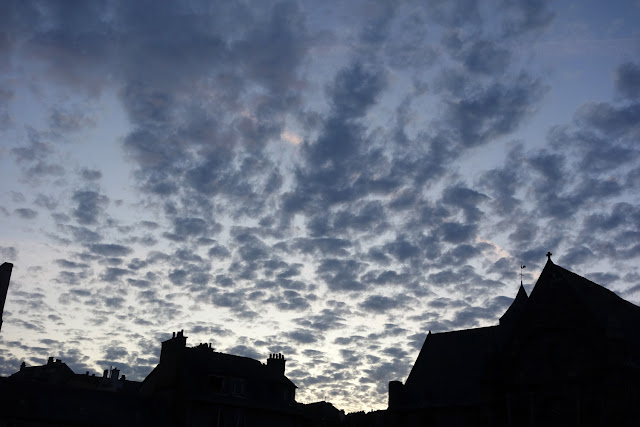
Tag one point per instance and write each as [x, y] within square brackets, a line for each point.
[276, 362]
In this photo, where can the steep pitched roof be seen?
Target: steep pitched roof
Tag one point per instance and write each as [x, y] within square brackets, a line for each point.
[565, 296]
[516, 308]
[452, 367]
[460, 367]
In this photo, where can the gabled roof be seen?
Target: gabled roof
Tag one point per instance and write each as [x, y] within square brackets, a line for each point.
[560, 293]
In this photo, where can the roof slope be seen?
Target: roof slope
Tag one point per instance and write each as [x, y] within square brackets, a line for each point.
[568, 299]
[452, 367]
[516, 308]
[201, 360]
[456, 368]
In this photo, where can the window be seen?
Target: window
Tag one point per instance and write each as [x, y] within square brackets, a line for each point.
[216, 383]
[238, 387]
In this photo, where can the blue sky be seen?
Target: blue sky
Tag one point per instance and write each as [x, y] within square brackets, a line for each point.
[326, 181]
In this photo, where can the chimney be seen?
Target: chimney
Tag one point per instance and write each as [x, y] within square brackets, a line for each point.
[105, 374]
[5, 276]
[276, 362]
[172, 348]
[50, 361]
[397, 394]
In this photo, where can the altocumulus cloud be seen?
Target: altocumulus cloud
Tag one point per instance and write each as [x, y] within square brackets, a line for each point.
[330, 181]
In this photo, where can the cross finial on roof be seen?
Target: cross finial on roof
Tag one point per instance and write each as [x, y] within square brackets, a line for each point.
[549, 255]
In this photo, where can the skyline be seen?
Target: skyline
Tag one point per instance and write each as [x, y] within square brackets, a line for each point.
[326, 182]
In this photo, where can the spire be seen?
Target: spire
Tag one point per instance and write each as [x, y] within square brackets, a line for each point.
[516, 307]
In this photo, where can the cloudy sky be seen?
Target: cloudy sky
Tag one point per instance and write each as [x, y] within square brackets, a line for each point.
[329, 180]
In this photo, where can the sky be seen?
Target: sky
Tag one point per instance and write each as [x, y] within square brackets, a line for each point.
[329, 180]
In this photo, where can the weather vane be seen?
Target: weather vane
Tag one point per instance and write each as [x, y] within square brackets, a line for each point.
[522, 267]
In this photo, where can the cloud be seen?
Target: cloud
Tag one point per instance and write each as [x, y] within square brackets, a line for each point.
[113, 274]
[109, 249]
[243, 350]
[90, 174]
[90, 205]
[8, 252]
[341, 275]
[492, 111]
[380, 304]
[61, 122]
[455, 232]
[466, 199]
[26, 213]
[627, 81]
[421, 174]
[326, 320]
[302, 336]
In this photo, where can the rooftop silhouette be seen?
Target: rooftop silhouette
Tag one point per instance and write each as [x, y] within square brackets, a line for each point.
[567, 354]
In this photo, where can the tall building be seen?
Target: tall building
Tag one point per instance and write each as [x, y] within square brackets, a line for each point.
[568, 354]
[5, 277]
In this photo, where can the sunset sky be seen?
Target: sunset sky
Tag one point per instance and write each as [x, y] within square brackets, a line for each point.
[329, 180]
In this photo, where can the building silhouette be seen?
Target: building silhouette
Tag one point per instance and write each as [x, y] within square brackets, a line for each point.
[53, 395]
[566, 355]
[206, 388]
[190, 386]
[5, 277]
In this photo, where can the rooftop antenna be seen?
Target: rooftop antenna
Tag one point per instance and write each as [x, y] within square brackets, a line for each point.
[522, 267]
